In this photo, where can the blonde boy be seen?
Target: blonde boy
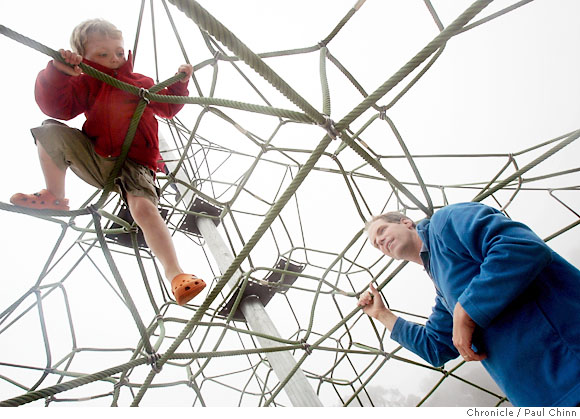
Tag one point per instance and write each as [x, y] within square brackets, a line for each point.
[63, 92]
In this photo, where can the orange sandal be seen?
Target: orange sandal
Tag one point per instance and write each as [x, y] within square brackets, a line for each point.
[40, 200]
[185, 287]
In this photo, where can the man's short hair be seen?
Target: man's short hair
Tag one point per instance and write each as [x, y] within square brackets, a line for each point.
[389, 217]
[80, 34]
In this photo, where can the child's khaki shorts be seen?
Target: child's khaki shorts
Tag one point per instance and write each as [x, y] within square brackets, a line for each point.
[71, 148]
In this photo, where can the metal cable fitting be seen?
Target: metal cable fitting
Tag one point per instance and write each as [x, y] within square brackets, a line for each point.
[144, 94]
[152, 360]
[307, 348]
[330, 128]
[93, 209]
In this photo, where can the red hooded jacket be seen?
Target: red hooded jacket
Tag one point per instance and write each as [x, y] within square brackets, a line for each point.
[108, 110]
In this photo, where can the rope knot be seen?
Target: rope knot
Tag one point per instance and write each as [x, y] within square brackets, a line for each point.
[144, 94]
[383, 114]
[217, 55]
[152, 360]
[330, 128]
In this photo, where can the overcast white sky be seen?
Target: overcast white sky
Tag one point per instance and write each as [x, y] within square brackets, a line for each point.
[499, 88]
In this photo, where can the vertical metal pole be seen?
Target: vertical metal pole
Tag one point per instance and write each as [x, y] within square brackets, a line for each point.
[298, 389]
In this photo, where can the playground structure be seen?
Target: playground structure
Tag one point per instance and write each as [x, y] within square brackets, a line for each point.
[247, 185]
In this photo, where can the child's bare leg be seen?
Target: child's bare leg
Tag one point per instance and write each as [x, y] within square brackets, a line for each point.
[145, 213]
[54, 176]
[156, 233]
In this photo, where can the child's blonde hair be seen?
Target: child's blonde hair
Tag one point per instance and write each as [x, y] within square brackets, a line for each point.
[81, 33]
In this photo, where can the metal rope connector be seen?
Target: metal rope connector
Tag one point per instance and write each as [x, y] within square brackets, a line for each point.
[152, 360]
[307, 348]
[144, 94]
[330, 128]
[93, 209]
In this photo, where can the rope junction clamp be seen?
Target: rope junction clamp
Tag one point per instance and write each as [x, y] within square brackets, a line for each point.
[307, 348]
[144, 94]
[93, 209]
[152, 360]
[330, 128]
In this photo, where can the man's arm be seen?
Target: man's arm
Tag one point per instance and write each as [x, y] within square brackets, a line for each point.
[432, 342]
[372, 304]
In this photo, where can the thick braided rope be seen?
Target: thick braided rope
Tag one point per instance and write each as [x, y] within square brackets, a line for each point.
[342, 22]
[51, 391]
[56, 56]
[101, 375]
[210, 24]
[152, 92]
[213, 294]
[191, 10]
[124, 291]
[411, 162]
[324, 82]
[572, 137]
[131, 131]
[424, 54]
[42, 213]
[379, 168]
[110, 183]
[209, 101]
[340, 324]
[370, 100]
[435, 44]
[111, 81]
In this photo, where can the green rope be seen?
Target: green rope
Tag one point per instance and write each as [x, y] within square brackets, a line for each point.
[51, 391]
[379, 168]
[268, 219]
[411, 163]
[293, 116]
[210, 24]
[339, 26]
[324, 82]
[104, 374]
[211, 101]
[435, 44]
[124, 291]
[572, 137]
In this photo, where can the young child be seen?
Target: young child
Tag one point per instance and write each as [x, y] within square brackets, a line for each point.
[63, 92]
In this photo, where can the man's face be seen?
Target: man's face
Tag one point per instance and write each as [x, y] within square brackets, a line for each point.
[105, 51]
[393, 239]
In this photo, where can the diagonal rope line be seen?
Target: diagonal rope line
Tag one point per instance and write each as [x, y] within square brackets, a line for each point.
[210, 24]
[348, 140]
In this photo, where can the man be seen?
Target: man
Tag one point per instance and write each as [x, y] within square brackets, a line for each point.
[503, 298]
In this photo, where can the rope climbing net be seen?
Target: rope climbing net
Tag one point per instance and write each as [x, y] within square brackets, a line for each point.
[288, 187]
